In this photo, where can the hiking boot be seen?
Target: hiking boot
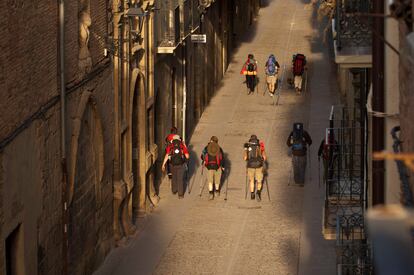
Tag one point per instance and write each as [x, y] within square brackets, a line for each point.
[252, 195]
[211, 197]
[259, 197]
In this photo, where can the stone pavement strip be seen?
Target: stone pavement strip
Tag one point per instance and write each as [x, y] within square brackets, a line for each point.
[238, 236]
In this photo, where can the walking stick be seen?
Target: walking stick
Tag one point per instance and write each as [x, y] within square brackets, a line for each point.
[202, 181]
[306, 82]
[267, 187]
[245, 191]
[310, 164]
[319, 172]
[227, 185]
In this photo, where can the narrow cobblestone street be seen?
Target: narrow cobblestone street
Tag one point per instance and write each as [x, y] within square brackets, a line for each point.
[238, 236]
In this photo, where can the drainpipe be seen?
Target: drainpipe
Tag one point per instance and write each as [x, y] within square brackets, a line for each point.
[378, 167]
[63, 135]
[184, 89]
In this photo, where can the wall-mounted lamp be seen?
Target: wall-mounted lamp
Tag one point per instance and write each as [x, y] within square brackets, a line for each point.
[136, 17]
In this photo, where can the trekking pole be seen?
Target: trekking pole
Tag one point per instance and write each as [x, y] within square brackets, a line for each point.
[245, 190]
[310, 163]
[290, 174]
[319, 172]
[202, 181]
[306, 82]
[267, 187]
[227, 185]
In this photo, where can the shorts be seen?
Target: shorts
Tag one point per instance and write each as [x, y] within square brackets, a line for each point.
[255, 173]
[271, 79]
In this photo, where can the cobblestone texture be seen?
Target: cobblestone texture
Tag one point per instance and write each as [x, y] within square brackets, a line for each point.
[238, 236]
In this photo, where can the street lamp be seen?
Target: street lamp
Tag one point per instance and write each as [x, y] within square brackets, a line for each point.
[136, 16]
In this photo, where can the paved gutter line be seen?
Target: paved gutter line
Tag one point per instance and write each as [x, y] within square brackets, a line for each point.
[237, 244]
[292, 23]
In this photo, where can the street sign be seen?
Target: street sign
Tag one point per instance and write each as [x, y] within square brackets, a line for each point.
[198, 38]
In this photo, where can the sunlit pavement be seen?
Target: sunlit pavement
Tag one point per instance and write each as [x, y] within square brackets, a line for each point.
[238, 236]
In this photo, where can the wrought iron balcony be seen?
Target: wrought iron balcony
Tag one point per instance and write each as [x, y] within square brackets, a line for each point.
[351, 29]
[175, 21]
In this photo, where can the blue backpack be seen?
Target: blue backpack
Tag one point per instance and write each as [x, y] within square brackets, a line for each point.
[271, 65]
[297, 137]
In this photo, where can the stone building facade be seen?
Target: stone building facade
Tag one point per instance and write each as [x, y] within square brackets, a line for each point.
[34, 167]
[77, 180]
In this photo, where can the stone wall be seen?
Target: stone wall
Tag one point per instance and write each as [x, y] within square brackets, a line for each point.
[406, 78]
[28, 60]
[30, 163]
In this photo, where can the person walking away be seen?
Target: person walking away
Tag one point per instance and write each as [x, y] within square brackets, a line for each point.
[212, 158]
[298, 140]
[298, 68]
[177, 155]
[271, 70]
[168, 139]
[249, 69]
[255, 156]
[328, 151]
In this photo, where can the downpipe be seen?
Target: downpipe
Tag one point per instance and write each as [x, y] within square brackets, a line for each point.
[184, 90]
[63, 136]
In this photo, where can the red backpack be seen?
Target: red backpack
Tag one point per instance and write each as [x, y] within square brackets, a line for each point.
[299, 64]
[212, 162]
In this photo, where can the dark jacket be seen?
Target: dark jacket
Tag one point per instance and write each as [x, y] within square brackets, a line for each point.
[306, 140]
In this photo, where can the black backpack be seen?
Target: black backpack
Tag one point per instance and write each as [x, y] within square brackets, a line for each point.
[250, 67]
[297, 137]
[254, 154]
[176, 153]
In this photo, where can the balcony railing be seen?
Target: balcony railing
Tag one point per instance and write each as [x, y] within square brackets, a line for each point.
[353, 29]
[175, 21]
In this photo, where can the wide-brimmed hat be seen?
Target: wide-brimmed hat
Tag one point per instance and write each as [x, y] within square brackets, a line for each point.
[213, 148]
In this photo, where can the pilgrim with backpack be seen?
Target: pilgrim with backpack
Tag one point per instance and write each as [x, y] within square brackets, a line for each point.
[213, 160]
[298, 140]
[255, 156]
[298, 68]
[176, 154]
[271, 70]
[249, 69]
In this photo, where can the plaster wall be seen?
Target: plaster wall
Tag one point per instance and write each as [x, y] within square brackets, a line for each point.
[392, 97]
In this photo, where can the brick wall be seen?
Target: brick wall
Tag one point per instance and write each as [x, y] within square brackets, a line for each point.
[71, 39]
[30, 164]
[98, 29]
[28, 54]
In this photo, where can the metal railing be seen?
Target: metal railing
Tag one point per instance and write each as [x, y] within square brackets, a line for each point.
[176, 21]
[353, 29]
[168, 23]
